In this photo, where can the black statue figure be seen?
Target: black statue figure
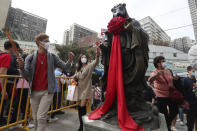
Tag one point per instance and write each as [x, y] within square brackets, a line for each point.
[134, 52]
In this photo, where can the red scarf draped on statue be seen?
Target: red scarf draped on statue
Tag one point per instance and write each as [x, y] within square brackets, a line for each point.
[115, 81]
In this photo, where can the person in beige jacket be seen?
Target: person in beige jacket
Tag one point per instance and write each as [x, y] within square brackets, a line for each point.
[84, 78]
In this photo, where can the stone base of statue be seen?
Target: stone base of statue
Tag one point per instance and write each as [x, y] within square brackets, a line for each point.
[98, 125]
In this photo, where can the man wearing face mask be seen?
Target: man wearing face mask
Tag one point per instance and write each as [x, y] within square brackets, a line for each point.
[162, 80]
[38, 69]
[189, 86]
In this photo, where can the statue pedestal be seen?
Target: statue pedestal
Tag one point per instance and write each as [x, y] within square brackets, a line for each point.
[98, 125]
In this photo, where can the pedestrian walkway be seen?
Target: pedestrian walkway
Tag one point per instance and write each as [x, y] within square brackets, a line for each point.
[69, 122]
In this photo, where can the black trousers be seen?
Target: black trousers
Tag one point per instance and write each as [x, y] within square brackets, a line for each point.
[6, 103]
[162, 104]
[55, 101]
[16, 104]
[191, 117]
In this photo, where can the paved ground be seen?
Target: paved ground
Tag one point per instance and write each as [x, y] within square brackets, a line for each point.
[69, 122]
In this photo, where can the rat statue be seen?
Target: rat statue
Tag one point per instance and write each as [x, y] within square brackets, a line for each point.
[125, 58]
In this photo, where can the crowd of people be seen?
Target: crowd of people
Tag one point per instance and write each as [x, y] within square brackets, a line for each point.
[174, 96]
[39, 70]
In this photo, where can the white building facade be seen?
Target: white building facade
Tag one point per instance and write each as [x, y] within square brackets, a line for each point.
[182, 44]
[193, 12]
[154, 31]
[76, 32]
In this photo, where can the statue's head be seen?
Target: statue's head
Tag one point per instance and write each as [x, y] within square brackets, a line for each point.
[119, 10]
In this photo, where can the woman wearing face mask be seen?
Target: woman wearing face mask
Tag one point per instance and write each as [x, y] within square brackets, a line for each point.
[84, 77]
[162, 80]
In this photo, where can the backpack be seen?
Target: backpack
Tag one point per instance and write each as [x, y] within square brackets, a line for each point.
[12, 70]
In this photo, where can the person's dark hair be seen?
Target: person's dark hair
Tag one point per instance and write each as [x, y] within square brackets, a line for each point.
[18, 47]
[41, 37]
[7, 45]
[189, 68]
[79, 65]
[157, 60]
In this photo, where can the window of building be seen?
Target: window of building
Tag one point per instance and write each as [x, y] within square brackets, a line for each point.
[161, 53]
[154, 54]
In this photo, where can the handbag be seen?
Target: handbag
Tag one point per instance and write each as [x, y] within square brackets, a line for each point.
[175, 95]
[70, 92]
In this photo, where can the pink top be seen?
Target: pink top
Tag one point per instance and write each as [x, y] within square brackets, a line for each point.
[162, 83]
[20, 84]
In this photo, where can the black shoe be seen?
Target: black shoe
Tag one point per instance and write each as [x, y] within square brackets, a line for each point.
[60, 112]
[3, 121]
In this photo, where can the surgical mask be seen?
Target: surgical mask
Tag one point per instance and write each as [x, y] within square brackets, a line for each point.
[83, 60]
[164, 64]
[45, 45]
[194, 74]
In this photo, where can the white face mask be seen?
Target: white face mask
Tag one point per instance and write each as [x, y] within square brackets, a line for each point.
[164, 64]
[45, 45]
[83, 60]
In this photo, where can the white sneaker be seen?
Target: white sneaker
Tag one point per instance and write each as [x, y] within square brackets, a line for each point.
[53, 119]
[178, 120]
[173, 128]
[182, 123]
[13, 127]
[30, 126]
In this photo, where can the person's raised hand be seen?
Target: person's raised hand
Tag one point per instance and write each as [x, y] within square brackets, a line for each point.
[71, 55]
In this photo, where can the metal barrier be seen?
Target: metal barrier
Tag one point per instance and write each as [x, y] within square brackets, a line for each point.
[67, 104]
[61, 102]
[24, 121]
[64, 103]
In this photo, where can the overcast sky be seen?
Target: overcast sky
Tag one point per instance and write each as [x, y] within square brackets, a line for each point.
[95, 14]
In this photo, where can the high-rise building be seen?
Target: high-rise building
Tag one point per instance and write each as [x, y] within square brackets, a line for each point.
[182, 44]
[24, 24]
[155, 32]
[193, 11]
[4, 7]
[66, 37]
[75, 33]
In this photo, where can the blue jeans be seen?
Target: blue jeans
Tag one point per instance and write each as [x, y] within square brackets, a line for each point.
[181, 115]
